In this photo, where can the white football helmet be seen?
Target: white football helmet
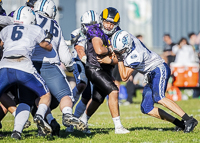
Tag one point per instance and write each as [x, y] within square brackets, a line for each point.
[121, 42]
[88, 18]
[24, 15]
[46, 8]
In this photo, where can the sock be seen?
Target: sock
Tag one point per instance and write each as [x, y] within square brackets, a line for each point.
[117, 122]
[67, 110]
[49, 118]
[80, 108]
[186, 117]
[76, 95]
[22, 115]
[179, 123]
[42, 109]
[14, 113]
[85, 118]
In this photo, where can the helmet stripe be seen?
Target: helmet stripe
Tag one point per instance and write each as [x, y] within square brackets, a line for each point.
[42, 5]
[116, 19]
[92, 14]
[105, 13]
[115, 38]
[19, 12]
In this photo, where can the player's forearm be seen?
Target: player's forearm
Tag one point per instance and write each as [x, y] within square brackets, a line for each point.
[80, 51]
[46, 45]
[125, 72]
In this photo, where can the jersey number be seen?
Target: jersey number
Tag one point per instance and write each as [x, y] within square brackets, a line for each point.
[17, 33]
[53, 28]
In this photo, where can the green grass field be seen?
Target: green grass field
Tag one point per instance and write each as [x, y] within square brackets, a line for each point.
[144, 129]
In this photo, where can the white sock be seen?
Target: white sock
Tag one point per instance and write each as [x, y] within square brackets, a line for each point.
[14, 113]
[117, 122]
[22, 115]
[49, 118]
[85, 118]
[76, 95]
[67, 110]
[42, 109]
[80, 108]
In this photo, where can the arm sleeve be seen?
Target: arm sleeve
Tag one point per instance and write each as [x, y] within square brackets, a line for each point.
[5, 20]
[64, 53]
[41, 35]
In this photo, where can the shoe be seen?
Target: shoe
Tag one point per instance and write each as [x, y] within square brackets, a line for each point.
[42, 125]
[177, 128]
[70, 129]
[55, 127]
[190, 125]
[27, 124]
[69, 119]
[121, 130]
[86, 131]
[41, 132]
[16, 135]
[126, 103]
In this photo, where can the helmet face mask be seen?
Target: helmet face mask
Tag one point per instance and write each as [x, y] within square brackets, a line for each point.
[111, 15]
[24, 15]
[46, 8]
[89, 18]
[121, 42]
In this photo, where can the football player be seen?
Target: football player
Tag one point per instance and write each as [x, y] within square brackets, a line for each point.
[134, 55]
[16, 66]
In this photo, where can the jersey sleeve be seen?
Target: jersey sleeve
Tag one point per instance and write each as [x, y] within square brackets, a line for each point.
[64, 53]
[5, 20]
[94, 31]
[41, 35]
[3, 34]
[132, 60]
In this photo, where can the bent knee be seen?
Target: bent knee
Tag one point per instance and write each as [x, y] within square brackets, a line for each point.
[145, 109]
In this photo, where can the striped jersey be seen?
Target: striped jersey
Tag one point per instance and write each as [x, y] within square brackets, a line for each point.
[60, 50]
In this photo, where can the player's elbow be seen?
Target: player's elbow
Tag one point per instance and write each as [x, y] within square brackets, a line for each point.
[124, 78]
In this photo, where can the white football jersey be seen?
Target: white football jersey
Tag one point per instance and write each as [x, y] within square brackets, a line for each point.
[142, 59]
[60, 51]
[81, 41]
[20, 40]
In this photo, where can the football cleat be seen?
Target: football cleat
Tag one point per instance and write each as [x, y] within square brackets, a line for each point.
[121, 130]
[69, 119]
[190, 125]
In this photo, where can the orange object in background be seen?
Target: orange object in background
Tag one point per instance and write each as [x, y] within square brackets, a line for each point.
[178, 71]
[185, 75]
[192, 75]
[173, 93]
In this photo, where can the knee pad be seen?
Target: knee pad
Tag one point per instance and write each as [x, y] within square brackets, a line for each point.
[81, 86]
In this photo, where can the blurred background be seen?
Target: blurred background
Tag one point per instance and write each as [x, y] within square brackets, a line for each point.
[149, 18]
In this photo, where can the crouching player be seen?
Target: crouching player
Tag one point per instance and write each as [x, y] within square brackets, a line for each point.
[133, 55]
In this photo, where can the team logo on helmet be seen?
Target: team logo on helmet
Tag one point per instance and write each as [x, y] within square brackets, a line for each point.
[125, 40]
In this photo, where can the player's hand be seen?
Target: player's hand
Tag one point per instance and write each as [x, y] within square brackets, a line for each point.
[48, 37]
[104, 60]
